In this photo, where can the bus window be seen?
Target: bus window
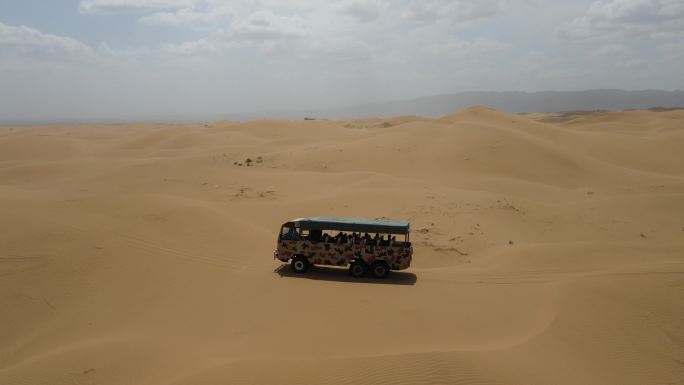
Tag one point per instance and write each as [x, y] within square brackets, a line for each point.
[315, 235]
[289, 233]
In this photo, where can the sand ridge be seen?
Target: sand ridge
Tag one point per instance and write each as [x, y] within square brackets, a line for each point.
[546, 251]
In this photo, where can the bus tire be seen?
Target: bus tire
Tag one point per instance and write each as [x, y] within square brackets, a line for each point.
[299, 265]
[357, 269]
[380, 269]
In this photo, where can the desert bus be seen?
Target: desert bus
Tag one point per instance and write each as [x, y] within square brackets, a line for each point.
[362, 244]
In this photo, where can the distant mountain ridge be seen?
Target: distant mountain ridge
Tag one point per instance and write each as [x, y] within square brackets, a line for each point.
[514, 102]
[430, 106]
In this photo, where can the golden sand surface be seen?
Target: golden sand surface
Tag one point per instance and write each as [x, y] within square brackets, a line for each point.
[546, 252]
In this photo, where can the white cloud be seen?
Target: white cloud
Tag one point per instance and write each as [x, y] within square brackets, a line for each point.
[190, 17]
[428, 11]
[29, 41]
[192, 48]
[477, 48]
[636, 11]
[614, 50]
[362, 10]
[115, 6]
[630, 63]
[265, 26]
[265, 23]
[621, 18]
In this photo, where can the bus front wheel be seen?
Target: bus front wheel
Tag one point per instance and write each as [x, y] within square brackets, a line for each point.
[299, 265]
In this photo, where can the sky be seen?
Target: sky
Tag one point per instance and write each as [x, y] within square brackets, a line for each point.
[152, 59]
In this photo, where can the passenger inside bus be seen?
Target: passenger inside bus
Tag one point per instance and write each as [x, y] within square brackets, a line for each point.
[291, 234]
[315, 236]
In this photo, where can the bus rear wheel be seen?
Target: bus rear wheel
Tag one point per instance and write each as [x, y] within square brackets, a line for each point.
[299, 265]
[357, 269]
[380, 269]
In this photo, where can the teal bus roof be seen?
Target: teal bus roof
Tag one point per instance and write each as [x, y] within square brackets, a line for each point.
[361, 225]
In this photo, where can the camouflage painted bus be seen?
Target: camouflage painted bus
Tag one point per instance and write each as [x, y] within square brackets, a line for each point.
[362, 244]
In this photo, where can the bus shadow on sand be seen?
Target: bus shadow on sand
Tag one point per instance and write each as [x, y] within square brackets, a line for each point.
[337, 274]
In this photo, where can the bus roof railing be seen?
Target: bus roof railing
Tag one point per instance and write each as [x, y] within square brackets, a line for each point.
[361, 225]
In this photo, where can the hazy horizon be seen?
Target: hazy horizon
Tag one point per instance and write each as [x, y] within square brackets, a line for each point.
[428, 106]
[99, 60]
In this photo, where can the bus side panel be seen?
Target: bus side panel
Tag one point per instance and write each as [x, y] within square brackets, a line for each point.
[398, 257]
[341, 254]
[317, 253]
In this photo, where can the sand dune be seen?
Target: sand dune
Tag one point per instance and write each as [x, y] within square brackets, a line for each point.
[546, 252]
